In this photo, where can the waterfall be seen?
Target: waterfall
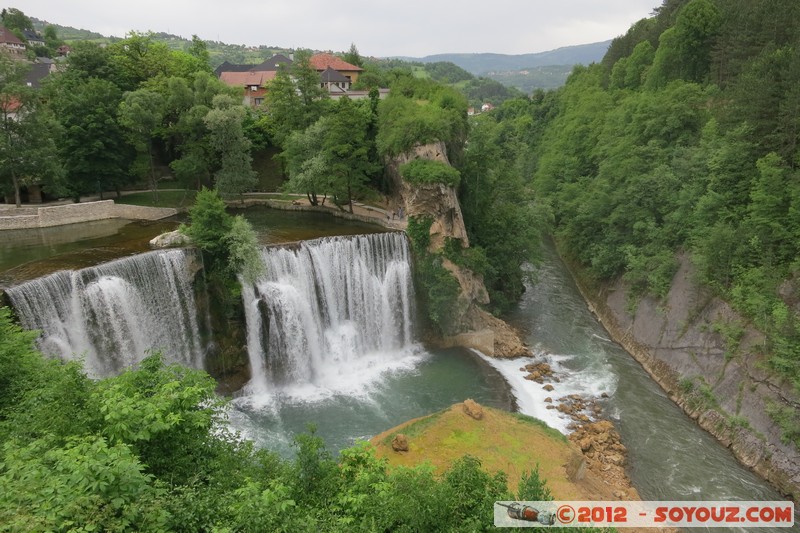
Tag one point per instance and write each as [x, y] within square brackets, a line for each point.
[111, 314]
[327, 308]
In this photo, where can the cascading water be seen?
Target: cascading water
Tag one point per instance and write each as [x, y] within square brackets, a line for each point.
[113, 313]
[330, 331]
[328, 309]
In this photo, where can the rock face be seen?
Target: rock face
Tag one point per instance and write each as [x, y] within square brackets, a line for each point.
[477, 328]
[677, 343]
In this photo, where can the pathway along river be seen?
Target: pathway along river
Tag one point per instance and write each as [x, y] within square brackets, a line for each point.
[669, 456]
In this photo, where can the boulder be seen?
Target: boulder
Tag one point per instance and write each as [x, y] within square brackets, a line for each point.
[473, 409]
[171, 239]
[400, 443]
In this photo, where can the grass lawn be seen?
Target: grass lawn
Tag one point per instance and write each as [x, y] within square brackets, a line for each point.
[175, 199]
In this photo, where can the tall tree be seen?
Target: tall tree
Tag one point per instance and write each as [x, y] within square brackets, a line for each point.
[347, 149]
[199, 50]
[15, 20]
[353, 57]
[306, 163]
[227, 139]
[28, 154]
[141, 113]
[94, 150]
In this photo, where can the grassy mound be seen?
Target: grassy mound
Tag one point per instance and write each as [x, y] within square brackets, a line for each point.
[502, 441]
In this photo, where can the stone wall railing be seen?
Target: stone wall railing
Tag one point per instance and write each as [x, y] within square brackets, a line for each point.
[59, 215]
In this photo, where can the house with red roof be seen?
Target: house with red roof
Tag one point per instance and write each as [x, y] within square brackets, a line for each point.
[11, 43]
[323, 62]
[252, 78]
[254, 84]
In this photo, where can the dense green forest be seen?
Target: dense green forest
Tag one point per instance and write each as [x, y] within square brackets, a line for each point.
[683, 139]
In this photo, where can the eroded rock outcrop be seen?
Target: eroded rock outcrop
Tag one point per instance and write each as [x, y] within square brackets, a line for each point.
[606, 455]
[476, 328]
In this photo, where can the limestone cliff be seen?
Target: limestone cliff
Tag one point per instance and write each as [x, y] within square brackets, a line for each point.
[477, 328]
[719, 383]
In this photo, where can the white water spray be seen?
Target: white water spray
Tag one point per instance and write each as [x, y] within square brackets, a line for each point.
[329, 310]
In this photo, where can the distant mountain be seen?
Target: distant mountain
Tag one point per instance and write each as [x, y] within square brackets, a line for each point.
[482, 64]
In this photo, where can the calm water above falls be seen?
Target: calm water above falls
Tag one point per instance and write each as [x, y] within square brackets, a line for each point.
[669, 456]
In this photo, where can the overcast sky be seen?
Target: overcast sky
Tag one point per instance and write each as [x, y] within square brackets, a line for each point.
[377, 27]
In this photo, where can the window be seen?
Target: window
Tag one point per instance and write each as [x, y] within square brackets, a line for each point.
[254, 88]
[258, 101]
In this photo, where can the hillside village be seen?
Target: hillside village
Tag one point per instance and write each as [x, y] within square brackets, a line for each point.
[337, 77]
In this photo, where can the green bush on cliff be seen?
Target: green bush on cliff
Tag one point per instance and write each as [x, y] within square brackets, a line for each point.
[474, 258]
[423, 171]
[419, 232]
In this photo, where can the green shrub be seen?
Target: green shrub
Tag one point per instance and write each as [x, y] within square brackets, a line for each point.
[438, 290]
[209, 223]
[473, 258]
[423, 171]
[419, 231]
[229, 243]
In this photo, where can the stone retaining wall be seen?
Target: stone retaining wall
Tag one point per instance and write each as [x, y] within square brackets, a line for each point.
[59, 215]
[277, 204]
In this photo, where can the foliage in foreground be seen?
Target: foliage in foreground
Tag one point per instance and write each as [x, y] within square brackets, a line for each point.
[149, 450]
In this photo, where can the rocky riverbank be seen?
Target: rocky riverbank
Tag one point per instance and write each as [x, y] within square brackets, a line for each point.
[596, 438]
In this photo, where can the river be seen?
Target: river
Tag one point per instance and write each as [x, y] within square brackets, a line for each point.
[669, 456]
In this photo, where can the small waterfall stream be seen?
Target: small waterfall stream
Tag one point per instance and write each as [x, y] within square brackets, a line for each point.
[113, 313]
[328, 307]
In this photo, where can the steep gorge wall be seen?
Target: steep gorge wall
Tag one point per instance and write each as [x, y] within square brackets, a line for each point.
[720, 384]
[477, 328]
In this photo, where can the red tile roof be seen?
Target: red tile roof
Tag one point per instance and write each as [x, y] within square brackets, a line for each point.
[245, 79]
[324, 61]
[9, 104]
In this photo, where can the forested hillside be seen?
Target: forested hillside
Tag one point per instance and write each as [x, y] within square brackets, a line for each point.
[685, 137]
